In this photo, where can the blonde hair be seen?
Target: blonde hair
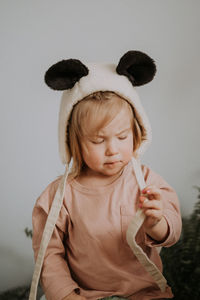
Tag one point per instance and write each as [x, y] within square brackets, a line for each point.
[98, 109]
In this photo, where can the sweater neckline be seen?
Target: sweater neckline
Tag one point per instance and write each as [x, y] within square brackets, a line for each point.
[99, 189]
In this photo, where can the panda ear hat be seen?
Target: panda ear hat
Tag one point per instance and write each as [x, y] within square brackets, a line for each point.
[138, 67]
[64, 74]
[78, 80]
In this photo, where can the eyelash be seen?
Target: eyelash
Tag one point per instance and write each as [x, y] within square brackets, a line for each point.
[100, 142]
[95, 142]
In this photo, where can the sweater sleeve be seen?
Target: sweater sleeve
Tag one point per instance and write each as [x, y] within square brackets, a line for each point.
[171, 209]
[55, 276]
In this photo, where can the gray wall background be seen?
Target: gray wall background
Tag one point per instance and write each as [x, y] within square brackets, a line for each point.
[36, 34]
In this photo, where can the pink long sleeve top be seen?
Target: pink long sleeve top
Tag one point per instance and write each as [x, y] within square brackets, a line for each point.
[88, 251]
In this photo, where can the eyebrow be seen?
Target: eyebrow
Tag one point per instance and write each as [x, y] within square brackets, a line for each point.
[124, 130]
[119, 133]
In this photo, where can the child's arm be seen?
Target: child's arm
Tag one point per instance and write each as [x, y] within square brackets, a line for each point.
[55, 277]
[155, 224]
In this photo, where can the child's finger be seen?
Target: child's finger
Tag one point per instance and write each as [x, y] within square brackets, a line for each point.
[152, 192]
[143, 198]
[151, 188]
[153, 204]
[153, 213]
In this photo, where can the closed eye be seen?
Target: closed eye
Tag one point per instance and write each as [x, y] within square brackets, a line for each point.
[123, 137]
[97, 141]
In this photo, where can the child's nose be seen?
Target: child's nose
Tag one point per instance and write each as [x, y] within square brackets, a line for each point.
[111, 148]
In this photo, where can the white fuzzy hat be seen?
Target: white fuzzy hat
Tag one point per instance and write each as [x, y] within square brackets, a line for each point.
[79, 80]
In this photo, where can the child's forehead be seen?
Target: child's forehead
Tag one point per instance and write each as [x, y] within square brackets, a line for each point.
[119, 123]
[115, 131]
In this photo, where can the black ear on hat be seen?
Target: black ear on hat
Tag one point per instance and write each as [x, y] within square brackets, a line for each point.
[137, 66]
[64, 74]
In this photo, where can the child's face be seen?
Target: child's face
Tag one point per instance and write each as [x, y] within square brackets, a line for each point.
[108, 151]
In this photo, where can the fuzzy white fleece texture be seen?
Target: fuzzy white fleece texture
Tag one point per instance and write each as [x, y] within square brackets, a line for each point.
[101, 77]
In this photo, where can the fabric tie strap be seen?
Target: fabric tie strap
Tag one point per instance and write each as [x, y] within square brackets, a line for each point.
[48, 230]
[133, 229]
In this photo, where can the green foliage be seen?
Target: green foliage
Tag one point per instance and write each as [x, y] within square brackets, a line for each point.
[182, 261]
[20, 293]
[28, 232]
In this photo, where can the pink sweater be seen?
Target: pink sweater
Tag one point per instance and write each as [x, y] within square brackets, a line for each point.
[88, 250]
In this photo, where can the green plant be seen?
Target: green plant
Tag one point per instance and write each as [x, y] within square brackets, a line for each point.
[20, 293]
[28, 232]
[181, 262]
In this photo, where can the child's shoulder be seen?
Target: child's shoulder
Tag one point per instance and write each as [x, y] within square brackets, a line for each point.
[147, 171]
[152, 177]
[46, 197]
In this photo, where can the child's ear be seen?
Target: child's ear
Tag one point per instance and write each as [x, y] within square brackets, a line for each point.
[137, 66]
[64, 74]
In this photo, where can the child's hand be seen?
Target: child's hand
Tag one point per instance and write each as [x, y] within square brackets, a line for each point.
[74, 296]
[155, 224]
[153, 209]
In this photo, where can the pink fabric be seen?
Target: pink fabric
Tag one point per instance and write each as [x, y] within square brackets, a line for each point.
[88, 250]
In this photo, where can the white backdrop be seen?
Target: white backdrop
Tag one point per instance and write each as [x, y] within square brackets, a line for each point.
[34, 35]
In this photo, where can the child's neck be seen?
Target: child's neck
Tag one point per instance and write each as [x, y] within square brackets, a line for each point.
[90, 178]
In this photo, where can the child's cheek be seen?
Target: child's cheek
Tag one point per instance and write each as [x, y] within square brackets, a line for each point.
[127, 154]
[93, 154]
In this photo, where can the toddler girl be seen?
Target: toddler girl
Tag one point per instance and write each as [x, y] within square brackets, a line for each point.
[97, 228]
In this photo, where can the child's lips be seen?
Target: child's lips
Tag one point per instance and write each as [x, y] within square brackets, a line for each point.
[112, 163]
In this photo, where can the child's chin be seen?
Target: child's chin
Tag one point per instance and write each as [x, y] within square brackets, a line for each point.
[112, 170]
